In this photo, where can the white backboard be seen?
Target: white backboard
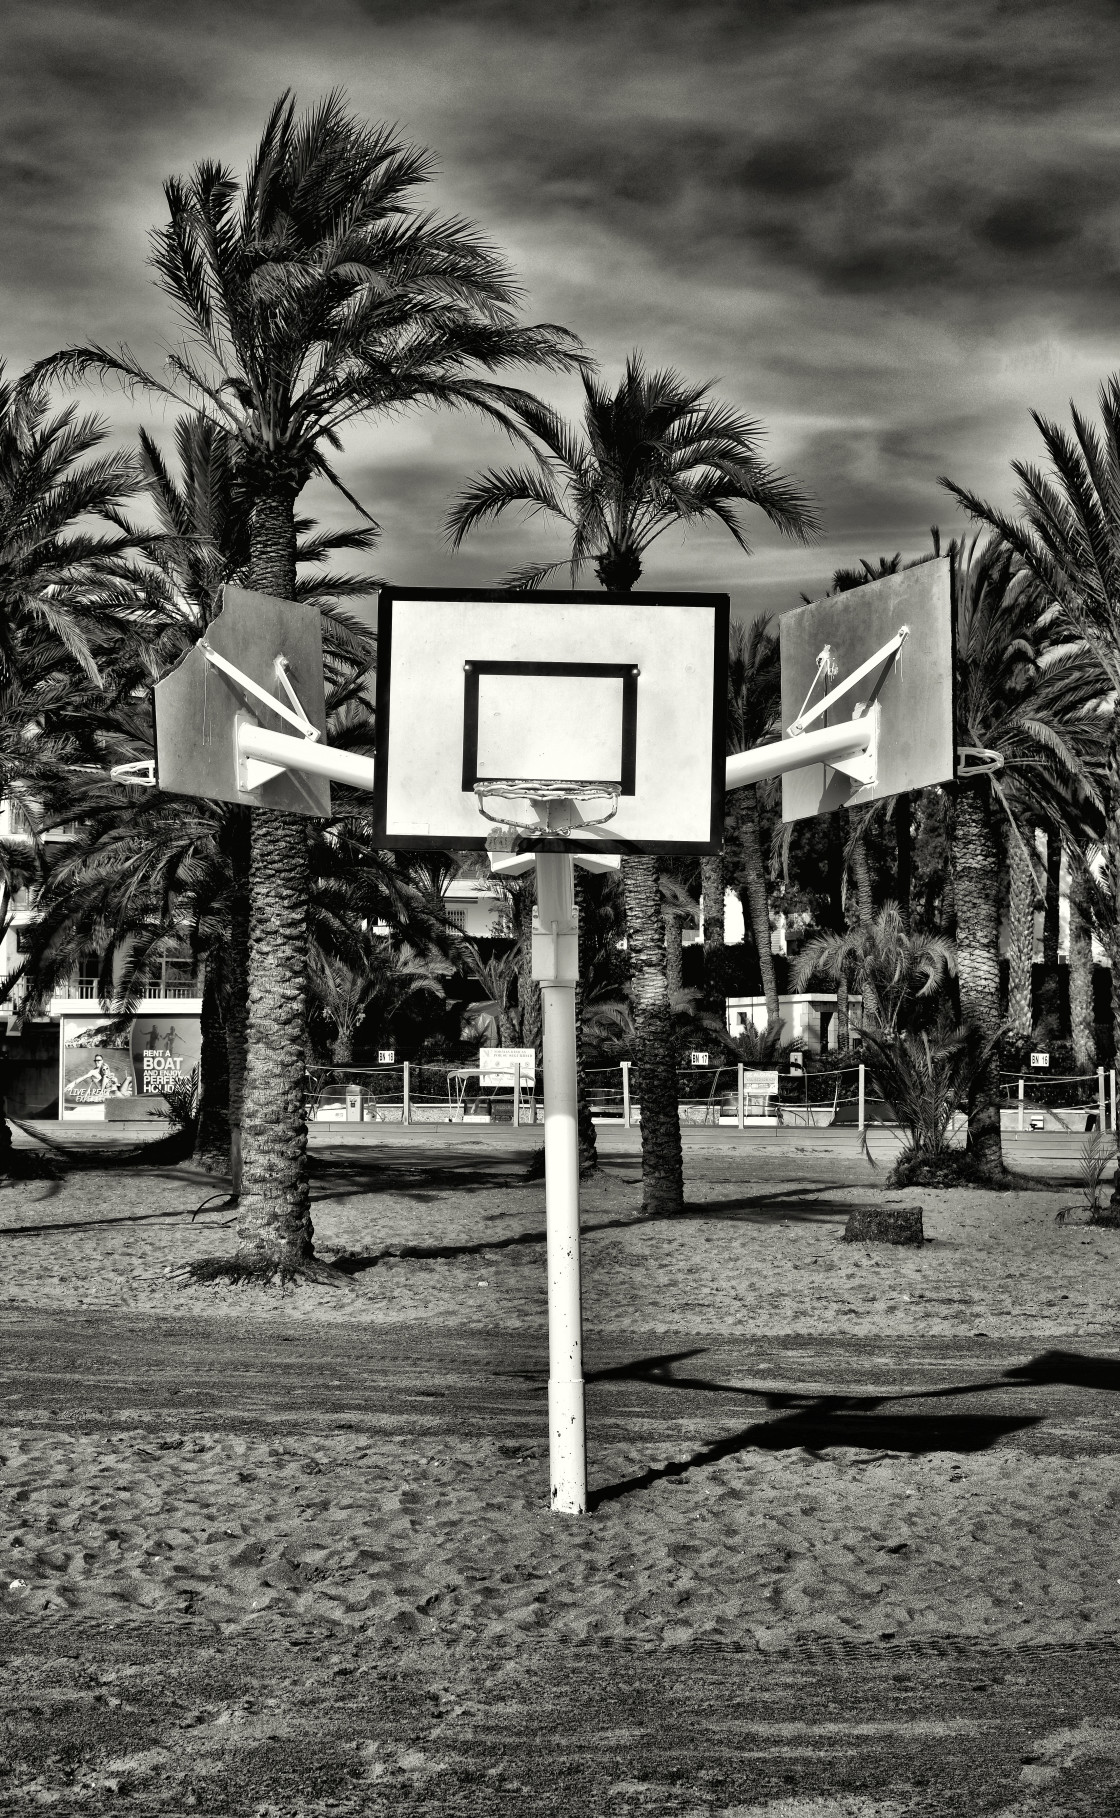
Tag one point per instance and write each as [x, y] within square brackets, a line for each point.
[913, 689]
[628, 691]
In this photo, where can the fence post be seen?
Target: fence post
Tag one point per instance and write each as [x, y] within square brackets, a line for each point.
[1102, 1117]
[1020, 1101]
[625, 1065]
[1112, 1099]
[516, 1094]
[861, 1119]
[406, 1111]
[740, 1091]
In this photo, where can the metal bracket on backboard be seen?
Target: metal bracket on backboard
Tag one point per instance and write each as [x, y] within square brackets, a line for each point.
[862, 766]
[251, 772]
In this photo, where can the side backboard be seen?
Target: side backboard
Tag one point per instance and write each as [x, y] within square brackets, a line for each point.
[626, 691]
[912, 688]
[197, 705]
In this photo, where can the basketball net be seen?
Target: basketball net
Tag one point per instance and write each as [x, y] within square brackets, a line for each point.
[555, 806]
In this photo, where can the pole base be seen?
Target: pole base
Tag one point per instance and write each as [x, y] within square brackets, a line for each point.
[566, 1450]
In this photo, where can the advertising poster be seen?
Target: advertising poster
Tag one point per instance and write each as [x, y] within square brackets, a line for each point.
[164, 1048]
[96, 1063]
[110, 1060]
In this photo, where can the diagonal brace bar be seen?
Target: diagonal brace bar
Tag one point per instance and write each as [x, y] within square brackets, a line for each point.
[842, 688]
[299, 719]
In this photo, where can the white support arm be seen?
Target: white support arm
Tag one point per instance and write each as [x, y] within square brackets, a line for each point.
[831, 745]
[278, 748]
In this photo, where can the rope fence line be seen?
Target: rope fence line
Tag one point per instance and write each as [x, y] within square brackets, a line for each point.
[731, 1095]
[1065, 1101]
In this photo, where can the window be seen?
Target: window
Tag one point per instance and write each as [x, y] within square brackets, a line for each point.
[458, 919]
[87, 976]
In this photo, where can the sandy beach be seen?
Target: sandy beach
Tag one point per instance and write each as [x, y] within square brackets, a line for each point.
[793, 1443]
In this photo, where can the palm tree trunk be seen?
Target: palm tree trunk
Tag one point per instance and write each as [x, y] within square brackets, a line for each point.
[235, 970]
[662, 1164]
[1051, 927]
[1081, 978]
[674, 955]
[865, 909]
[904, 851]
[528, 990]
[757, 902]
[342, 1047]
[712, 886]
[836, 910]
[585, 1127]
[1048, 1008]
[275, 1226]
[975, 864]
[1020, 917]
[211, 1140]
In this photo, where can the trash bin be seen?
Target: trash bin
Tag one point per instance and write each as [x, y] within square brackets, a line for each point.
[355, 1104]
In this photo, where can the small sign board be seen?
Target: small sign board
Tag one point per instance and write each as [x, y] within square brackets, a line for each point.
[760, 1083]
[386, 1057]
[1040, 1060]
[496, 1065]
[699, 1057]
[796, 1061]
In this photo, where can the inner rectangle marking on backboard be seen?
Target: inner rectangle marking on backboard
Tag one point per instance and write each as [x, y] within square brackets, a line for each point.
[571, 721]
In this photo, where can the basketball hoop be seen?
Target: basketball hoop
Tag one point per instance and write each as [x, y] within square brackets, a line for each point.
[554, 802]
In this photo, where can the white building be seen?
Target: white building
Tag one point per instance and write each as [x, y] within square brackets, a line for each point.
[808, 1018]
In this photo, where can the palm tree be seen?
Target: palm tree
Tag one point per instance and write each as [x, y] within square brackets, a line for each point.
[654, 454]
[1032, 700]
[902, 968]
[374, 981]
[1067, 535]
[56, 577]
[497, 974]
[312, 293]
[754, 702]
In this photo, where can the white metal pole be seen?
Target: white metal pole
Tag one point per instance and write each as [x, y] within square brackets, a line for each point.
[555, 965]
[862, 1097]
[406, 1108]
[1020, 1101]
[740, 1092]
[1101, 1121]
[1112, 1099]
[516, 1094]
[625, 1065]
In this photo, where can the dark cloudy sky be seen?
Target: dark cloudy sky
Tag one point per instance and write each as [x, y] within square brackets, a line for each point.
[888, 229]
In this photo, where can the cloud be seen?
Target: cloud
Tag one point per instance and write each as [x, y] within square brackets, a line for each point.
[888, 227]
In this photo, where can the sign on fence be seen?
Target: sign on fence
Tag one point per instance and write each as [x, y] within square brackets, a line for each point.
[699, 1057]
[1040, 1060]
[386, 1057]
[495, 1065]
[760, 1084]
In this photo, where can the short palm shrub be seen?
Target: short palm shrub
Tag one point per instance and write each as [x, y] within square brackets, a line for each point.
[181, 1095]
[926, 1076]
